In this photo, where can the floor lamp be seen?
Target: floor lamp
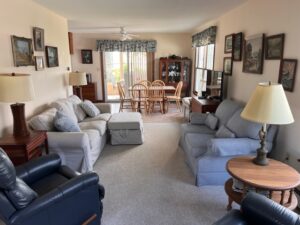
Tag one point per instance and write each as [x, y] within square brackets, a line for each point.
[77, 79]
[267, 105]
[17, 88]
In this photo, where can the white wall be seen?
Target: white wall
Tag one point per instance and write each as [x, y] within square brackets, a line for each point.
[269, 17]
[18, 17]
[167, 44]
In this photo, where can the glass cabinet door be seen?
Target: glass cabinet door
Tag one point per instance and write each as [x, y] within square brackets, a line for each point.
[174, 69]
[164, 71]
[186, 71]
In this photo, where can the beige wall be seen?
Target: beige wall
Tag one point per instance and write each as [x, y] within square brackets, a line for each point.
[167, 44]
[17, 18]
[269, 17]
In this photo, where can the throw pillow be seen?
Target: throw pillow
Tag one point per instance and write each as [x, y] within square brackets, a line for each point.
[43, 121]
[79, 112]
[211, 121]
[64, 123]
[66, 107]
[224, 132]
[90, 109]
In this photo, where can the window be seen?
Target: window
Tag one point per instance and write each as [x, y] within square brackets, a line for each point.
[204, 61]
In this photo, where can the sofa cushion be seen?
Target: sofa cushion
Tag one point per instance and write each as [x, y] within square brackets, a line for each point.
[43, 121]
[196, 144]
[99, 125]
[89, 108]
[224, 132]
[211, 121]
[243, 128]
[125, 120]
[79, 112]
[66, 107]
[225, 110]
[64, 123]
[102, 116]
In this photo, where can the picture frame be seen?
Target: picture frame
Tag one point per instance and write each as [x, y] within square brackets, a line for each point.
[238, 47]
[39, 63]
[227, 66]
[52, 56]
[22, 51]
[253, 54]
[228, 44]
[287, 73]
[38, 39]
[274, 46]
[87, 56]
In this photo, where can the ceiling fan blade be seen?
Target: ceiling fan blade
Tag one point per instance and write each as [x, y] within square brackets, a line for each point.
[133, 35]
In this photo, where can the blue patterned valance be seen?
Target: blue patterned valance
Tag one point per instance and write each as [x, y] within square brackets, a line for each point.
[205, 37]
[126, 46]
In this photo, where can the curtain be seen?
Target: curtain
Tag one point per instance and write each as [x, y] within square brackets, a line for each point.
[126, 46]
[205, 37]
[150, 66]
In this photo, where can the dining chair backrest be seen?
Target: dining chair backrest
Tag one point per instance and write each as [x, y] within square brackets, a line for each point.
[145, 82]
[139, 91]
[121, 90]
[156, 93]
[158, 82]
[178, 89]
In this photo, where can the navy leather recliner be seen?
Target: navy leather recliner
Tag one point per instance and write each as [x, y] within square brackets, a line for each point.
[256, 209]
[43, 192]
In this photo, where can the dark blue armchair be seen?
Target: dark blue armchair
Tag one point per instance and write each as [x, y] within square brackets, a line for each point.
[256, 209]
[43, 192]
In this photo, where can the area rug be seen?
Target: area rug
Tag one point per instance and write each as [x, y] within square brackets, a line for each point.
[151, 184]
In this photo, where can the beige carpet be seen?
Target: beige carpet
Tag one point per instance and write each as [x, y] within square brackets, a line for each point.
[151, 184]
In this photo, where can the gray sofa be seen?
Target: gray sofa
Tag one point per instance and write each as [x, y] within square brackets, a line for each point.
[78, 150]
[208, 150]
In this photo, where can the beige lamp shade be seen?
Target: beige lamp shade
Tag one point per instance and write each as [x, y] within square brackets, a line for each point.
[16, 88]
[268, 105]
[77, 79]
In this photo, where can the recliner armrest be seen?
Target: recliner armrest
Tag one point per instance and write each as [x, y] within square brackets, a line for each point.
[57, 195]
[37, 168]
[198, 118]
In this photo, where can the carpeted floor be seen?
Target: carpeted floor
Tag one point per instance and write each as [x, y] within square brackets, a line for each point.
[151, 184]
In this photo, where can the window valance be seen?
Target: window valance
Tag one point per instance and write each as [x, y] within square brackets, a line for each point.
[205, 37]
[126, 46]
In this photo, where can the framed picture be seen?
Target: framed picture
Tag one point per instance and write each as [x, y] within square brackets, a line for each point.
[227, 66]
[87, 56]
[287, 73]
[253, 54]
[274, 46]
[38, 39]
[52, 56]
[22, 51]
[39, 63]
[237, 47]
[228, 43]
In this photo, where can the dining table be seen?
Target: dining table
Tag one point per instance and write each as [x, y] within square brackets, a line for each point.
[154, 88]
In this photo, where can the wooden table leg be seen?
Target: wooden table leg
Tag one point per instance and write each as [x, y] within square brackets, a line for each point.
[229, 206]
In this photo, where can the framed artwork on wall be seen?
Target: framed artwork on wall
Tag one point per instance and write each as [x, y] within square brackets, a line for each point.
[228, 43]
[39, 63]
[22, 51]
[52, 56]
[87, 56]
[227, 66]
[274, 46]
[38, 39]
[237, 47]
[287, 73]
[253, 54]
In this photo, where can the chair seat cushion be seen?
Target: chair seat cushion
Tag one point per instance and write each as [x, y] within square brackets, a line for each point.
[125, 120]
[197, 143]
[99, 125]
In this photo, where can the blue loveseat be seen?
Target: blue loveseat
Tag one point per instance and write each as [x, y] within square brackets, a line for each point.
[210, 140]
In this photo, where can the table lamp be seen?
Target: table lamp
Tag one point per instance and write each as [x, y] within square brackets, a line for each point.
[17, 88]
[77, 79]
[267, 105]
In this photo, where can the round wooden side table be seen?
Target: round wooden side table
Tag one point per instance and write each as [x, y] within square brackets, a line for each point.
[277, 179]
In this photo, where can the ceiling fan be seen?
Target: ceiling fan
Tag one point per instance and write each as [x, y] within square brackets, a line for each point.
[124, 35]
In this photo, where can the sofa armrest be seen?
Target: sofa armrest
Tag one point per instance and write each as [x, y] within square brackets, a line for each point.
[67, 139]
[104, 107]
[59, 194]
[234, 146]
[234, 217]
[37, 168]
[198, 118]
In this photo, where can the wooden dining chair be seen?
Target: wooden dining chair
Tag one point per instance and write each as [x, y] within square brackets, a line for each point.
[176, 97]
[145, 82]
[158, 82]
[125, 102]
[156, 95]
[139, 97]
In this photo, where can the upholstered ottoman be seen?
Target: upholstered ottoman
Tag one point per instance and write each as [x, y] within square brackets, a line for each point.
[126, 128]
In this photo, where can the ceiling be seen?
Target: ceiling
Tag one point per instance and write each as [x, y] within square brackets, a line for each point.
[88, 16]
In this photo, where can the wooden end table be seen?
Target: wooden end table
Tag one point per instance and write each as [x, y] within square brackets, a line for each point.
[22, 149]
[277, 178]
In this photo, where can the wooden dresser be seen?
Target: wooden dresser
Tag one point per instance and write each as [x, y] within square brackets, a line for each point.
[89, 92]
[204, 105]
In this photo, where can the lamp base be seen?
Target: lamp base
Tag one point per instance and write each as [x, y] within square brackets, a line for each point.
[261, 153]
[78, 91]
[20, 127]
